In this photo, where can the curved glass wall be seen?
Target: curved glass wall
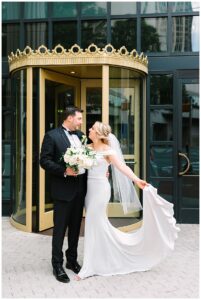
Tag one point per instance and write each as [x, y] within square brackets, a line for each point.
[123, 106]
[124, 113]
[19, 95]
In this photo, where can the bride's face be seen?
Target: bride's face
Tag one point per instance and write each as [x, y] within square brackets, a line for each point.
[92, 132]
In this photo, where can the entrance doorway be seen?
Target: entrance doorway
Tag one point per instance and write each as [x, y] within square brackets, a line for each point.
[108, 84]
[57, 91]
[188, 152]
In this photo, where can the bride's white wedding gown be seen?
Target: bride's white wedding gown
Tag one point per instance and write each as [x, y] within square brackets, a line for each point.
[109, 251]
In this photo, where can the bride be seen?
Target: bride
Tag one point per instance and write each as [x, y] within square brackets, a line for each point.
[107, 250]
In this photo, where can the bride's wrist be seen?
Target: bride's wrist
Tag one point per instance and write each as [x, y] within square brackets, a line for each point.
[135, 179]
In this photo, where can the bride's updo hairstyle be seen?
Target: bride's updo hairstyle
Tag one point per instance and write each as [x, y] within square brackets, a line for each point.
[103, 131]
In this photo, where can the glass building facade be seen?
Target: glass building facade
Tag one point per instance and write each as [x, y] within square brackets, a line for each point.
[168, 33]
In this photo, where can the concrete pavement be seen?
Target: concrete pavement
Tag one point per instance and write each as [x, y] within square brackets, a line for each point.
[27, 272]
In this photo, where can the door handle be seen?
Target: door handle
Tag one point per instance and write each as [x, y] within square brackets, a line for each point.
[188, 163]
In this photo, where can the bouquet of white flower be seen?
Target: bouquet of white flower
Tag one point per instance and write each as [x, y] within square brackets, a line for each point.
[83, 157]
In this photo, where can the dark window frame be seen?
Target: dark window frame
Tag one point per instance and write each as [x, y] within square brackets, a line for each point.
[108, 17]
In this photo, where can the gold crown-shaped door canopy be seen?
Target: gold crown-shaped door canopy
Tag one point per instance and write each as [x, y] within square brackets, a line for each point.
[77, 56]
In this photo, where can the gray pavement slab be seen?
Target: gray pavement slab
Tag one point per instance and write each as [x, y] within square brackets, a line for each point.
[27, 271]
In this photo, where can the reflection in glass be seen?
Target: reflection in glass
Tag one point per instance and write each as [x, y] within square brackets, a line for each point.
[93, 106]
[190, 127]
[161, 161]
[6, 171]
[154, 34]
[93, 8]
[121, 109]
[6, 160]
[7, 100]
[185, 6]
[19, 94]
[57, 97]
[165, 188]
[161, 124]
[35, 34]
[161, 89]
[10, 38]
[94, 32]
[190, 192]
[118, 37]
[10, 10]
[64, 9]
[153, 7]
[123, 8]
[124, 94]
[185, 34]
[124, 114]
[7, 124]
[6, 188]
[7, 136]
[65, 34]
[35, 10]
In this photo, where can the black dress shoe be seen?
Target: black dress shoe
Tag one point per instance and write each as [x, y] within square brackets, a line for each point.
[60, 274]
[74, 266]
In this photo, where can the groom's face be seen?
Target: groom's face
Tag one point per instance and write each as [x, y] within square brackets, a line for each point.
[76, 120]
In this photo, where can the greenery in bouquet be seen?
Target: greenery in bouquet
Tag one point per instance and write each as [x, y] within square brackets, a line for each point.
[76, 158]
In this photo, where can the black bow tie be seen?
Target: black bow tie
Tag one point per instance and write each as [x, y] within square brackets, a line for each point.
[72, 132]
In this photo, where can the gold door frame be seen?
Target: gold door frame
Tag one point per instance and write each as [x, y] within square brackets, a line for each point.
[46, 218]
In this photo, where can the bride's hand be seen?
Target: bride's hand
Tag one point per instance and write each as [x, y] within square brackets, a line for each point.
[141, 183]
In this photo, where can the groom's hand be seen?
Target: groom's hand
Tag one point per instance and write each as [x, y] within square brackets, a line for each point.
[71, 172]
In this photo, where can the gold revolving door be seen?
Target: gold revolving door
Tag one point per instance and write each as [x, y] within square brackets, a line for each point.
[108, 84]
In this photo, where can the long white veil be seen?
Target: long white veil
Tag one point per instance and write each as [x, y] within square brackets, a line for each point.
[124, 190]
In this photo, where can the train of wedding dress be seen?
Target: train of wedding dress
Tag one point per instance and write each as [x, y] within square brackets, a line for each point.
[109, 251]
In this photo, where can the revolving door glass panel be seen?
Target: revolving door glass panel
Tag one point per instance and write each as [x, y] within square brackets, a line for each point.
[58, 96]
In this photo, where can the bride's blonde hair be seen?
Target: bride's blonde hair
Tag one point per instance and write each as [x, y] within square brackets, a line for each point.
[103, 130]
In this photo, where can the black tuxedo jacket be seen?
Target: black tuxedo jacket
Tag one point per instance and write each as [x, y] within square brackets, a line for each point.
[55, 144]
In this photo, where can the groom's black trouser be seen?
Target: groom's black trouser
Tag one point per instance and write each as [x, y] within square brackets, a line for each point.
[67, 215]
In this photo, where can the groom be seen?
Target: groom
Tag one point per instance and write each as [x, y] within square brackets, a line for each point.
[68, 190]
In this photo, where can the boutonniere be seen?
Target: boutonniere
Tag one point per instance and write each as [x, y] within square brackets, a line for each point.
[84, 140]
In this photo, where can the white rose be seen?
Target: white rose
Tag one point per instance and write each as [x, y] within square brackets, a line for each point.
[66, 158]
[72, 160]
